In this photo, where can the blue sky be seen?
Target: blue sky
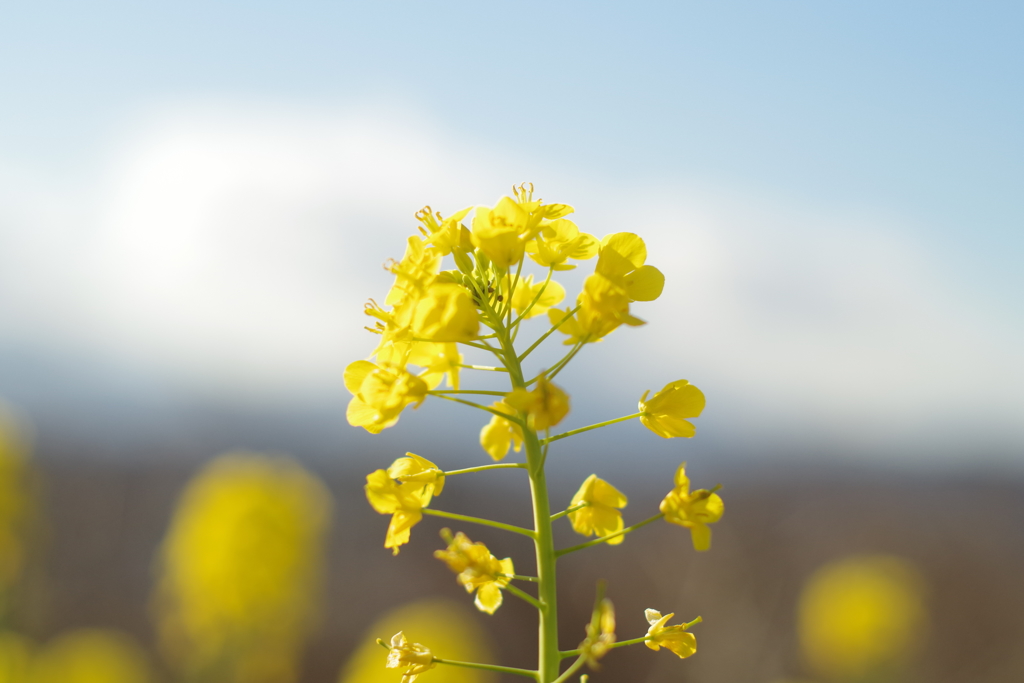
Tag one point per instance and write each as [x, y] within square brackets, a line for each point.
[819, 135]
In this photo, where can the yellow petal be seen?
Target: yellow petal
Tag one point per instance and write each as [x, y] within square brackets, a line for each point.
[355, 373]
[382, 492]
[488, 598]
[495, 438]
[701, 535]
[627, 245]
[644, 284]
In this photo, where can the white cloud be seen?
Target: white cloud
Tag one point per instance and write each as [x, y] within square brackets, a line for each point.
[233, 247]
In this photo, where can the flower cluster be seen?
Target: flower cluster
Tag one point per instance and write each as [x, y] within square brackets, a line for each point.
[430, 317]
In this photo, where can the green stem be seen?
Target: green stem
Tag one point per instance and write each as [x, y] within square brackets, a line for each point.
[469, 391]
[563, 513]
[489, 667]
[544, 545]
[479, 520]
[520, 577]
[523, 595]
[481, 468]
[540, 293]
[557, 367]
[605, 539]
[482, 367]
[574, 432]
[547, 334]
[492, 411]
[571, 670]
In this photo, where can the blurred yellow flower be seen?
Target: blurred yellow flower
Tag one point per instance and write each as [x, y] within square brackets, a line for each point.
[445, 234]
[621, 260]
[666, 412]
[240, 567]
[601, 515]
[546, 405]
[418, 471]
[674, 638]
[15, 503]
[380, 394]
[414, 273]
[499, 434]
[526, 291]
[439, 360]
[90, 656]
[862, 616]
[15, 657]
[600, 634]
[500, 232]
[453, 633]
[692, 510]
[477, 570]
[403, 502]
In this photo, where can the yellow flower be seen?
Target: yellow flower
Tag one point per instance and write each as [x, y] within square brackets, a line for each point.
[603, 306]
[621, 260]
[526, 291]
[666, 412]
[499, 232]
[415, 272]
[600, 633]
[403, 653]
[15, 503]
[498, 434]
[674, 638]
[380, 394]
[440, 360]
[239, 570]
[601, 515]
[477, 569]
[418, 471]
[560, 240]
[546, 405]
[90, 656]
[446, 313]
[403, 502]
[692, 510]
[445, 234]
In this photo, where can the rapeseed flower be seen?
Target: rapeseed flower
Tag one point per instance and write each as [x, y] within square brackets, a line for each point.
[446, 313]
[546, 294]
[692, 510]
[666, 412]
[621, 260]
[546, 405]
[499, 434]
[601, 515]
[380, 394]
[445, 234]
[403, 502]
[418, 471]
[600, 633]
[415, 272]
[500, 232]
[240, 569]
[673, 638]
[560, 240]
[477, 570]
[413, 655]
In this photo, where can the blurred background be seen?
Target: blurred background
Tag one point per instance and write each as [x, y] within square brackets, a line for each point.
[196, 200]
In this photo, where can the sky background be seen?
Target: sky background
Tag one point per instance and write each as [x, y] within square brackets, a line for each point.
[195, 201]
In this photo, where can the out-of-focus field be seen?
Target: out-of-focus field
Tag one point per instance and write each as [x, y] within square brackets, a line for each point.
[100, 524]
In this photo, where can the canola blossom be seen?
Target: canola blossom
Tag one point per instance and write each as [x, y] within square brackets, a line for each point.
[692, 510]
[239, 569]
[478, 570]
[466, 290]
[676, 639]
[599, 513]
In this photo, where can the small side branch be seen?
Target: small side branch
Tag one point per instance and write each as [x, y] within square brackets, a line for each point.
[492, 411]
[605, 539]
[574, 432]
[563, 513]
[489, 667]
[634, 641]
[479, 520]
[523, 595]
[547, 334]
[571, 670]
[481, 468]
